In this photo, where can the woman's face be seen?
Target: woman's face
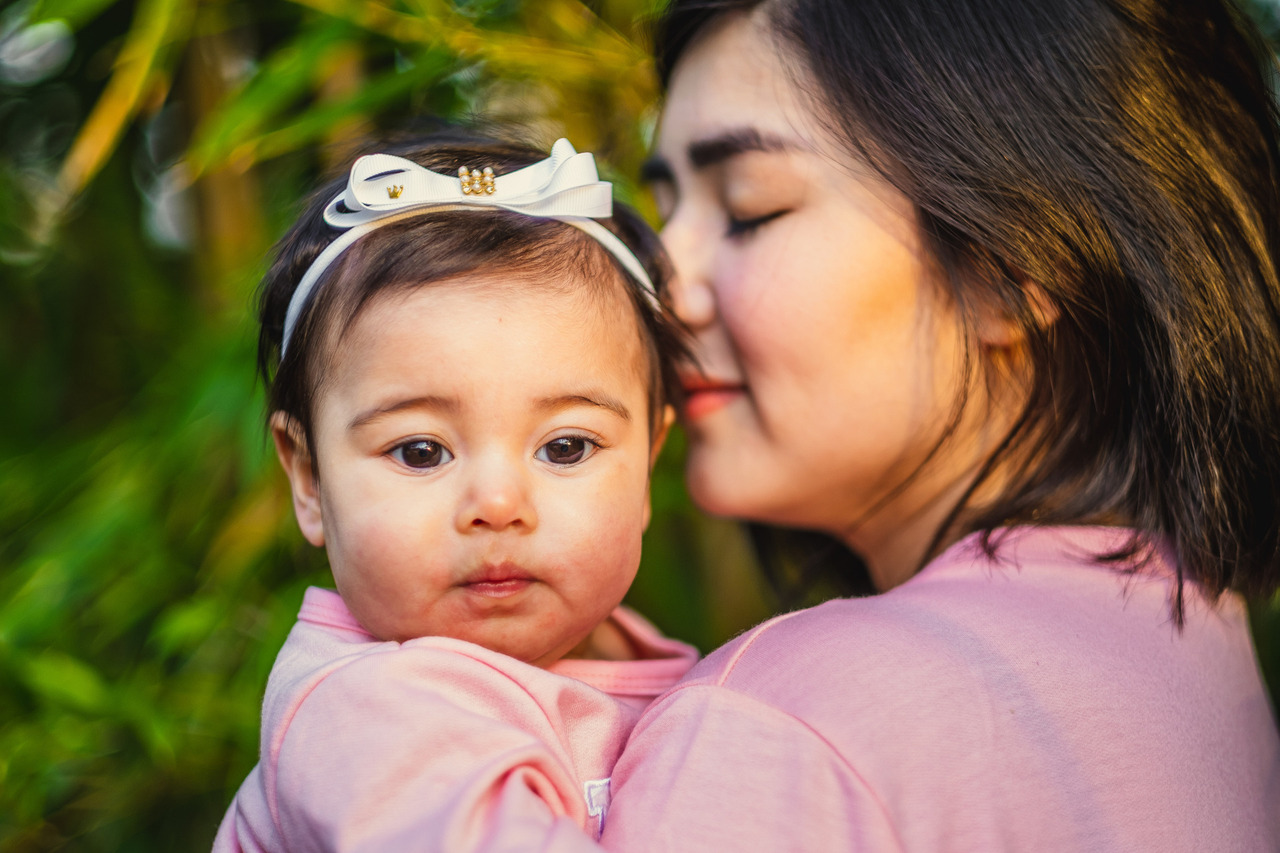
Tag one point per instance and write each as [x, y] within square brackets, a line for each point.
[831, 363]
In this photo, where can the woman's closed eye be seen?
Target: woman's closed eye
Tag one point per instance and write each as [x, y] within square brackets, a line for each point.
[421, 454]
[567, 450]
[739, 227]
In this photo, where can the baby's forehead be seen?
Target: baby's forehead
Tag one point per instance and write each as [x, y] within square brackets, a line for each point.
[596, 316]
[600, 298]
[491, 350]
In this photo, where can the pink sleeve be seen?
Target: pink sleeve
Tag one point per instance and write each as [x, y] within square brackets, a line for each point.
[711, 769]
[246, 821]
[425, 751]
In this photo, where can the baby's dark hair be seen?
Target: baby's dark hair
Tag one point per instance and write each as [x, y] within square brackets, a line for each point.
[439, 246]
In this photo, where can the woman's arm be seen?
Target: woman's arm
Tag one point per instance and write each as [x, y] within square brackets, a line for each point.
[711, 769]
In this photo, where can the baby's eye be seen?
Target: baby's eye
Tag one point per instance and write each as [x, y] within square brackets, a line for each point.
[422, 453]
[568, 450]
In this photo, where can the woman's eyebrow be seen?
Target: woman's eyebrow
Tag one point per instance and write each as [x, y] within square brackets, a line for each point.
[714, 150]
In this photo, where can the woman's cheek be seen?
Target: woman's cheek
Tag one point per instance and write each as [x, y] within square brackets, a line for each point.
[746, 295]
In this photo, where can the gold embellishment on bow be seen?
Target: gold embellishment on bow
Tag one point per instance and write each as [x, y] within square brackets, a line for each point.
[395, 190]
[477, 181]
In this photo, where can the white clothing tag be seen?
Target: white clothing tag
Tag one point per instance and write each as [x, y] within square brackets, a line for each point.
[596, 793]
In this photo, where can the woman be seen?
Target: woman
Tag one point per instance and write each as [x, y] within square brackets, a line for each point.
[986, 291]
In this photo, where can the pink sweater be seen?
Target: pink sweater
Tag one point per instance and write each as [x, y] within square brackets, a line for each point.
[1039, 703]
[436, 744]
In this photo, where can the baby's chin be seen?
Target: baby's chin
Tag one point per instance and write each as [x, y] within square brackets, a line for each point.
[530, 624]
[607, 641]
[551, 653]
[535, 648]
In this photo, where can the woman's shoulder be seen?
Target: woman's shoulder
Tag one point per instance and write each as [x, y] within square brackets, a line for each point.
[1037, 609]
[992, 695]
[1003, 688]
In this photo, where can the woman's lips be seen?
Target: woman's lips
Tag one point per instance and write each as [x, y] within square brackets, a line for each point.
[704, 396]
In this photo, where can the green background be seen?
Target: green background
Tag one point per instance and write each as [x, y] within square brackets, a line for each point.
[150, 153]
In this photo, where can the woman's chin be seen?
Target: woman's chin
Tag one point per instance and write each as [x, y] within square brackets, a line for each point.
[706, 487]
[718, 487]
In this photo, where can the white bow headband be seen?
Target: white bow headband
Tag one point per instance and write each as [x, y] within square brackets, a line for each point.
[383, 189]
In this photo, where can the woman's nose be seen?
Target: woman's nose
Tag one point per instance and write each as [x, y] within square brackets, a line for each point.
[691, 256]
[498, 497]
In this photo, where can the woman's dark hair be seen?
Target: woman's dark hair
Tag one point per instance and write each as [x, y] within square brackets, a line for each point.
[1121, 157]
[437, 246]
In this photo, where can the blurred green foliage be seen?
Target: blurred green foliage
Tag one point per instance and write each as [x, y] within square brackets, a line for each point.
[150, 152]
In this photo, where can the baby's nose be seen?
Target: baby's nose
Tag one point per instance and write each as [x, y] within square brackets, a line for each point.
[497, 498]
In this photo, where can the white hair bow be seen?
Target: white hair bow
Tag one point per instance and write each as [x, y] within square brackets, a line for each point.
[564, 184]
[383, 188]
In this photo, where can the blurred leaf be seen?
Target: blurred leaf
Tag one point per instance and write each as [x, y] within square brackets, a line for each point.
[184, 627]
[77, 13]
[1264, 619]
[286, 77]
[237, 141]
[64, 680]
[157, 23]
[253, 525]
[436, 23]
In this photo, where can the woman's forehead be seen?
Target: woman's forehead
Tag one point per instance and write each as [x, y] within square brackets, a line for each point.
[733, 91]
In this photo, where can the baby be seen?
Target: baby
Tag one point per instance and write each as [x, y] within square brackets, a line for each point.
[475, 375]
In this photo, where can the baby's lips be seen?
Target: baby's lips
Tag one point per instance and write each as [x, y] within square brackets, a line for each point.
[496, 573]
[494, 581]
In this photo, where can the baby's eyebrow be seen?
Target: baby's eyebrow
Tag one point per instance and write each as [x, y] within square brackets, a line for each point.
[591, 398]
[432, 403]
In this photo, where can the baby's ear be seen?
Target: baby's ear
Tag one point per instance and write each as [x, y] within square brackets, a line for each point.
[655, 447]
[660, 434]
[291, 448]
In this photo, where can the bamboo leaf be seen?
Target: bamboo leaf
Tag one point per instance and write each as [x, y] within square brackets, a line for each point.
[313, 124]
[155, 25]
[508, 51]
[63, 680]
[77, 13]
[248, 531]
[183, 627]
[285, 78]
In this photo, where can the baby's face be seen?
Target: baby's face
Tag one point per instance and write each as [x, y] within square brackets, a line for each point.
[484, 456]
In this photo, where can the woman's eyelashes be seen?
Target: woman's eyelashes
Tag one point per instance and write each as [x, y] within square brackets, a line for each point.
[744, 227]
[567, 450]
[421, 454]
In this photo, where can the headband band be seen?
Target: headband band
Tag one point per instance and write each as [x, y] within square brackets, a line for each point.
[382, 189]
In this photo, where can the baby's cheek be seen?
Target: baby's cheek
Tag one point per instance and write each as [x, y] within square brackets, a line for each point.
[392, 611]
[381, 540]
[614, 550]
[388, 571]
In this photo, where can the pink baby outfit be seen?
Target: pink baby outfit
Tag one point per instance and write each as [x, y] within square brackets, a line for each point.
[1036, 703]
[437, 744]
